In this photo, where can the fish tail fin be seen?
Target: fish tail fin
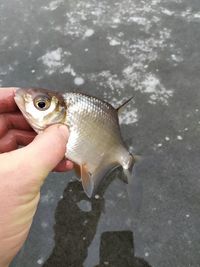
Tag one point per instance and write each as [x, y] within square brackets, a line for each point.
[124, 104]
[134, 184]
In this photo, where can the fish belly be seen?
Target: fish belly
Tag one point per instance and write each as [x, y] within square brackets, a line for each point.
[88, 150]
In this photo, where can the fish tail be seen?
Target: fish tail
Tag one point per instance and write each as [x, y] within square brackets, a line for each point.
[134, 185]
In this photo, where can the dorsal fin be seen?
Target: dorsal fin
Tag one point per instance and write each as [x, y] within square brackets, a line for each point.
[122, 105]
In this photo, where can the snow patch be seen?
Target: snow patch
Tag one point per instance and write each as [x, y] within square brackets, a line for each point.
[53, 5]
[52, 60]
[137, 52]
[155, 89]
[139, 20]
[69, 69]
[177, 58]
[128, 116]
[167, 12]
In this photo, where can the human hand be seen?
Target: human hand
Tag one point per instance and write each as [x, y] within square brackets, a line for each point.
[22, 172]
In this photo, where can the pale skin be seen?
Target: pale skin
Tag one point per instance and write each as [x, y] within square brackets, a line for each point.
[23, 171]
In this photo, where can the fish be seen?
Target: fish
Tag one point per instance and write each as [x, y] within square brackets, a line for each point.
[95, 142]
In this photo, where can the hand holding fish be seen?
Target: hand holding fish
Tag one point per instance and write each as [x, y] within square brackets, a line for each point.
[23, 172]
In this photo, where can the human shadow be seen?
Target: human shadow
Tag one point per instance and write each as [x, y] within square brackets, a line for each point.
[76, 220]
[117, 250]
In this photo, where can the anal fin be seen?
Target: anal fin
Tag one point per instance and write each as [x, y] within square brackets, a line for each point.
[77, 171]
[87, 182]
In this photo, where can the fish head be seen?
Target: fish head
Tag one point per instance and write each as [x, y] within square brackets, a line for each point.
[41, 107]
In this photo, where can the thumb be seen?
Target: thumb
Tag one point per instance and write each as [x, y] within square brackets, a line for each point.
[47, 150]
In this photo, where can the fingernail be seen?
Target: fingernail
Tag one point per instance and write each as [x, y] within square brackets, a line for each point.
[63, 130]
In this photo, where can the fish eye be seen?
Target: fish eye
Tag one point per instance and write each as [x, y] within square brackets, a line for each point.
[42, 102]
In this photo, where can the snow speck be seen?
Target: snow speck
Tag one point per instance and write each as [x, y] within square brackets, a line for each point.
[167, 138]
[179, 137]
[116, 20]
[177, 58]
[187, 215]
[47, 198]
[36, 42]
[88, 33]
[114, 42]
[44, 224]
[40, 261]
[84, 205]
[159, 145]
[169, 222]
[146, 254]
[79, 81]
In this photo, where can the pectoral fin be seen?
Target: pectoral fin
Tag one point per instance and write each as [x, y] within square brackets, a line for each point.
[87, 182]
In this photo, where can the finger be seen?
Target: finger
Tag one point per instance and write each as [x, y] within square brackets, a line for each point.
[17, 121]
[7, 102]
[64, 165]
[15, 138]
[13, 120]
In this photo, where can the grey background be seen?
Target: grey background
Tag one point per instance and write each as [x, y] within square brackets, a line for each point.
[113, 50]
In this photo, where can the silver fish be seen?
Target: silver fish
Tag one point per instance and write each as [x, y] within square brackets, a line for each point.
[95, 143]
